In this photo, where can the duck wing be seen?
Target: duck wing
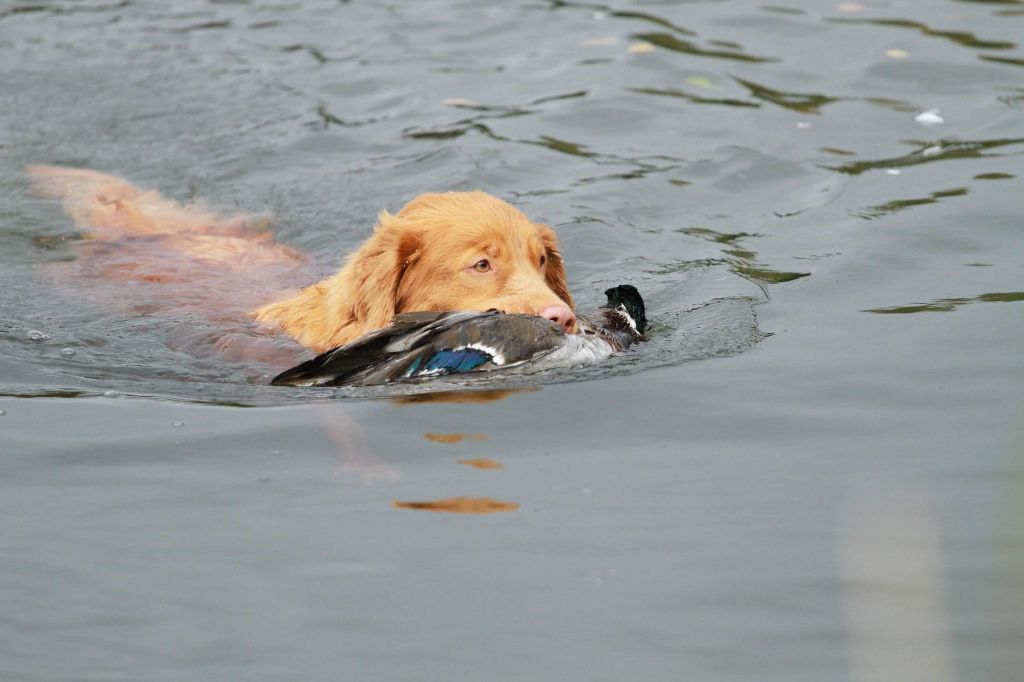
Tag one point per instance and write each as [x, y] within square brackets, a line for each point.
[334, 367]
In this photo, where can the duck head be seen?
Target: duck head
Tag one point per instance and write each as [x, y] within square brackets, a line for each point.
[625, 310]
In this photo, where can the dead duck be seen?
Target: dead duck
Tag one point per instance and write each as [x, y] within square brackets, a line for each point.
[422, 344]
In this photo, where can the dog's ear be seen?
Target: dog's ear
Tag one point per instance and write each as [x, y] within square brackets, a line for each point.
[554, 271]
[359, 298]
[376, 271]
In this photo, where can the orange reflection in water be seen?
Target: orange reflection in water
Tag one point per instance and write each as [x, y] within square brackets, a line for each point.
[459, 505]
[454, 437]
[463, 396]
[482, 463]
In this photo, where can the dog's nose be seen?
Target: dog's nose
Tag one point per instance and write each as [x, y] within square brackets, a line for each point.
[562, 316]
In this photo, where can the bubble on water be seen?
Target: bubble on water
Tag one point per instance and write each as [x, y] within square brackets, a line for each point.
[177, 424]
[111, 394]
[37, 336]
[67, 352]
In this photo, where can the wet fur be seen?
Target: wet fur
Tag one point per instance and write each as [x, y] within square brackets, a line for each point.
[418, 259]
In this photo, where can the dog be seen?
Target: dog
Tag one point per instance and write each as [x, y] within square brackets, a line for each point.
[442, 251]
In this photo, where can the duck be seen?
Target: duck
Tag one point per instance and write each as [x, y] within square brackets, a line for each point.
[418, 345]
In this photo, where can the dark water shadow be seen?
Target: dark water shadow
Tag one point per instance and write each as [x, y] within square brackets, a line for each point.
[1011, 61]
[54, 8]
[674, 44]
[641, 167]
[741, 260]
[930, 152]
[804, 103]
[674, 40]
[946, 305]
[694, 99]
[623, 14]
[962, 38]
[896, 205]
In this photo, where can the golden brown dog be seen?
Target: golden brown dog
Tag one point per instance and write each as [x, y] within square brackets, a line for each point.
[452, 251]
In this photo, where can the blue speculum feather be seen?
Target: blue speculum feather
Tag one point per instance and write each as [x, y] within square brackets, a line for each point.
[452, 361]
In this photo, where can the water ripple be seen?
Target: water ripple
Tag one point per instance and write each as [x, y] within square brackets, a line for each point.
[930, 152]
[897, 205]
[670, 42]
[962, 38]
[945, 305]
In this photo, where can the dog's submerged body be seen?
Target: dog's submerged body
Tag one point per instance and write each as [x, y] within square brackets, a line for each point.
[441, 252]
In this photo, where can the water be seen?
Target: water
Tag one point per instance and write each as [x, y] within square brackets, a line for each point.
[813, 471]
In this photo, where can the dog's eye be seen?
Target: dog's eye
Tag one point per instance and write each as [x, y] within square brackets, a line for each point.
[543, 260]
[482, 265]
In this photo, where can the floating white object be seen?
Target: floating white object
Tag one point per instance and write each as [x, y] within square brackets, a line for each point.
[929, 118]
[892, 171]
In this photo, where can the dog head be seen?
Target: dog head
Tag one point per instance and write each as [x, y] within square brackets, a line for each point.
[460, 251]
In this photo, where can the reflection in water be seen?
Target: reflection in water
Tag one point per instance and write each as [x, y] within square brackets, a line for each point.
[670, 42]
[806, 103]
[1002, 60]
[326, 119]
[891, 104]
[695, 99]
[488, 112]
[945, 305]
[837, 151]
[959, 37]
[896, 205]
[667, 40]
[459, 505]
[625, 14]
[928, 152]
[312, 51]
[891, 568]
[1015, 100]
[356, 457]
[642, 168]
[454, 437]
[742, 261]
[486, 396]
[564, 146]
[482, 463]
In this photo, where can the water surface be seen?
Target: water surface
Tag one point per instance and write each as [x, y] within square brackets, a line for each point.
[813, 471]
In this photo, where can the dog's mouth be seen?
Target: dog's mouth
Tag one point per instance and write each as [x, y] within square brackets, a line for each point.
[573, 328]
